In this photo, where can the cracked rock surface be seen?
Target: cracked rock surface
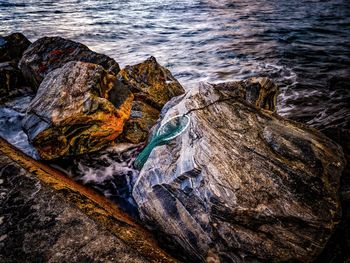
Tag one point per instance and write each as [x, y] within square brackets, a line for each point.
[241, 184]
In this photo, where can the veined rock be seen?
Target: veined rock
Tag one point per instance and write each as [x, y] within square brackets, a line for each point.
[241, 184]
[78, 108]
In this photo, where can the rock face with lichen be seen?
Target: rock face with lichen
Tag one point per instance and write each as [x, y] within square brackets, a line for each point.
[241, 184]
[78, 108]
[152, 85]
[49, 53]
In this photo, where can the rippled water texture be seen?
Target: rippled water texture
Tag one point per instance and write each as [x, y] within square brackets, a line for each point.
[303, 45]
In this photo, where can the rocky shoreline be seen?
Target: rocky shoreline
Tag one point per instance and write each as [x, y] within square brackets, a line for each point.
[241, 184]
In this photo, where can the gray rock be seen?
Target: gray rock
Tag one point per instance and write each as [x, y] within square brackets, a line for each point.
[241, 184]
[49, 53]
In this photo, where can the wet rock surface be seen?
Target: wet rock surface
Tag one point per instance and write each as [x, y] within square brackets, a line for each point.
[12, 47]
[241, 184]
[78, 108]
[152, 85]
[46, 217]
[49, 53]
[109, 171]
[38, 225]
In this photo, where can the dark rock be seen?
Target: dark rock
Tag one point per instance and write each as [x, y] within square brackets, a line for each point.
[241, 184]
[10, 79]
[38, 225]
[12, 47]
[45, 217]
[78, 108]
[152, 85]
[49, 53]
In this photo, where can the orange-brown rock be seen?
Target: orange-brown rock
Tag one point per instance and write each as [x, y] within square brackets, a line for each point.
[151, 82]
[152, 85]
[142, 119]
[78, 108]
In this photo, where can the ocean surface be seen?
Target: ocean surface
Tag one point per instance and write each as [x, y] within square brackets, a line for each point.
[302, 45]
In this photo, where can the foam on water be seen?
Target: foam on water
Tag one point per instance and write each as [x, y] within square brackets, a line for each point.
[11, 115]
[110, 172]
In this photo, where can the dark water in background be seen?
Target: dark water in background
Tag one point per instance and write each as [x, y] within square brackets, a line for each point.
[303, 45]
[300, 44]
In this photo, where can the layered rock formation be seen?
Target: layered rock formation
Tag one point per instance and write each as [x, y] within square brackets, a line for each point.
[152, 85]
[49, 53]
[241, 184]
[78, 108]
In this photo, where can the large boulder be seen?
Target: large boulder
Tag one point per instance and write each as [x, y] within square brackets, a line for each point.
[49, 53]
[152, 85]
[241, 184]
[78, 108]
[12, 47]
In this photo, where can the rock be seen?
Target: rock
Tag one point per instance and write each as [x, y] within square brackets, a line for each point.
[151, 82]
[78, 108]
[152, 85]
[10, 79]
[241, 184]
[49, 53]
[12, 47]
[143, 117]
[261, 92]
[46, 217]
